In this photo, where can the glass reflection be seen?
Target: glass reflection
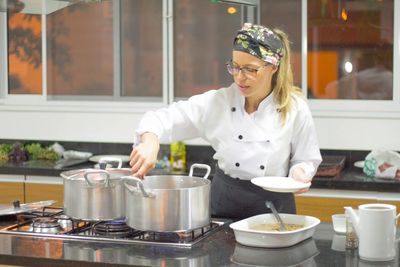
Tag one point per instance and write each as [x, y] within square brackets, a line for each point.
[203, 36]
[80, 50]
[357, 32]
[24, 53]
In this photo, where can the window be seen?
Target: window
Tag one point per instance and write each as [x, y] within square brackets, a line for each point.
[203, 36]
[343, 52]
[24, 54]
[141, 48]
[350, 49]
[94, 51]
[275, 14]
[80, 50]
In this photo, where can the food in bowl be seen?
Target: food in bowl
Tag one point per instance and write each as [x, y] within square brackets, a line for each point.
[273, 239]
[275, 227]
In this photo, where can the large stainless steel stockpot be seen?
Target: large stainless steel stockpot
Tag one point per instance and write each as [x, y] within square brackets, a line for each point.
[168, 203]
[94, 195]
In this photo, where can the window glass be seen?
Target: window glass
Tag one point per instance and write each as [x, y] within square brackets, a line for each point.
[275, 14]
[24, 53]
[350, 49]
[80, 50]
[203, 36]
[142, 41]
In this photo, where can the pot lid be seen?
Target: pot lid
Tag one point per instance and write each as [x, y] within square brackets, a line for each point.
[20, 208]
[96, 174]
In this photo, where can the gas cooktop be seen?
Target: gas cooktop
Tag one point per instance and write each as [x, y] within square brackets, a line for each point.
[51, 222]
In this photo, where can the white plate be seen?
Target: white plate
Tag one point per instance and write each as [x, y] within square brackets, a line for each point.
[123, 158]
[359, 164]
[273, 239]
[279, 184]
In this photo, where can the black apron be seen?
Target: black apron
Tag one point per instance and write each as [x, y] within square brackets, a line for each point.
[239, 199]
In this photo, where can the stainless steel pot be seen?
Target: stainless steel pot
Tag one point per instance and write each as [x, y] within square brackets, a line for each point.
[168, 203]
[94, 195]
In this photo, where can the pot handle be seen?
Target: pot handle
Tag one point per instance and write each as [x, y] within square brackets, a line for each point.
[139, 183]
[89, 172]
[200, 166]
[111, 159]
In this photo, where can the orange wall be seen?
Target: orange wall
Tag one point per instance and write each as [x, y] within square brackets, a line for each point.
[322, 70]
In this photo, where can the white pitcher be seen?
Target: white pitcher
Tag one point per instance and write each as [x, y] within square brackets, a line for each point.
[376, 229]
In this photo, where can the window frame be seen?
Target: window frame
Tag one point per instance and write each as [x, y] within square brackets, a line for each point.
[355, 108]
[319, 107]
[43, 102]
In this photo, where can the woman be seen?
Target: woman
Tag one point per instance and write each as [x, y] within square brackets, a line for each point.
[258, 126]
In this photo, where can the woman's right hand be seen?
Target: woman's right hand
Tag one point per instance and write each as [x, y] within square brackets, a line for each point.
[143, 157]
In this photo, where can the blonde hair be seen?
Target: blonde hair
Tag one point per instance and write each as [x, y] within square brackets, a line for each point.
[282, 81]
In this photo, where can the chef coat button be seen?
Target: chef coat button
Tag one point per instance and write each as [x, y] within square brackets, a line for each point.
[240, 136]
[262, 167]
[237, 164]
[267, 141]
[233, 109]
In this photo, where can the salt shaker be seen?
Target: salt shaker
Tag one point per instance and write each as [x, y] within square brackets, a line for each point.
[351, 236]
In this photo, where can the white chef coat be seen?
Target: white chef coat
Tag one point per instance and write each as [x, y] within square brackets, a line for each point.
[246, 145]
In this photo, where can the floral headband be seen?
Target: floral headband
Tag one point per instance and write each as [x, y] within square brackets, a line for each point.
[260, 42]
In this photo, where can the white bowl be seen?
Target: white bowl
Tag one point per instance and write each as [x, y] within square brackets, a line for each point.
[257, 238]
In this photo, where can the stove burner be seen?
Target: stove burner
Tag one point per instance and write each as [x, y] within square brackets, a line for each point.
[45, 225]
[64, 221]
[52, 221]
[115, 228]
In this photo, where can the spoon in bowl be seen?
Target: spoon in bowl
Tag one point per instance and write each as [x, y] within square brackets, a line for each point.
[271, 206]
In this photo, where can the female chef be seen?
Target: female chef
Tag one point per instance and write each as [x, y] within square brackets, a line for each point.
[259, 126]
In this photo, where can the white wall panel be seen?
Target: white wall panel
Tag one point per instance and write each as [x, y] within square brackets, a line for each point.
[333, 133]
[358, 133]
[64, 126]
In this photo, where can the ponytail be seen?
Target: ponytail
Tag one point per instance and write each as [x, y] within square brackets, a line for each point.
[282, 81]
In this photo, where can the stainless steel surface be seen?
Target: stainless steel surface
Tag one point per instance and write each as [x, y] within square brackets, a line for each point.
[8, 210]
[53, 224]
[271, 206]
[217, 249]
[94, 195]
[301, 254]
[167, 203]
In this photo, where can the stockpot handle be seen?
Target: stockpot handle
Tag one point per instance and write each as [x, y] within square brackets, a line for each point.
[138, 183]
[200, 166]
[90, 172]
[111, 159]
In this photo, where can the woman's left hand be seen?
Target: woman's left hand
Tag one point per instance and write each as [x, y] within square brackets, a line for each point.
[298, 174]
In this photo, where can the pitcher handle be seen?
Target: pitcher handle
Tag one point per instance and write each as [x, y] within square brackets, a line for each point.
[200, 166]
[138, 183]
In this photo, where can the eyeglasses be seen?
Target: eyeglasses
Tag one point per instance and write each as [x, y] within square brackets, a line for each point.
[249, 72]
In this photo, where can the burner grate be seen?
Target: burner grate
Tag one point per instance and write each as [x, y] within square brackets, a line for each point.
[116, 228]
[51, 222]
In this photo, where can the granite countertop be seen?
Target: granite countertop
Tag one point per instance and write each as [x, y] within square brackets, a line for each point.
[351, 178]
[325, 248]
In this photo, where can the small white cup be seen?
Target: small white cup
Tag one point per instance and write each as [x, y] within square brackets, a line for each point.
[339, 223]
